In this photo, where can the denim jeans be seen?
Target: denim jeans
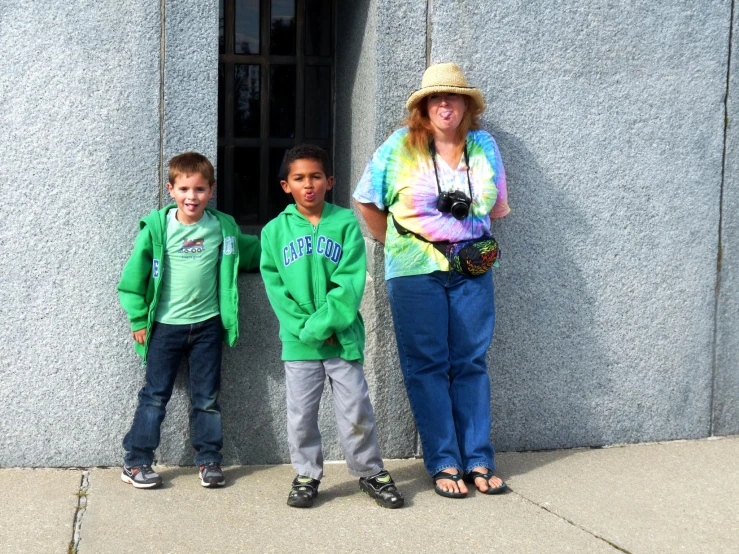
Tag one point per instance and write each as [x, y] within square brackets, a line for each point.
[444, 325]
[202, 344]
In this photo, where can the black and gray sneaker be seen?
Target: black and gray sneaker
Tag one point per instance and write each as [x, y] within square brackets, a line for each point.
[141, 477]
[303, 492]
[211, 475]
[382, 488]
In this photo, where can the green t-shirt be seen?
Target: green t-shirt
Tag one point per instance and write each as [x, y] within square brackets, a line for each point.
[190, 271]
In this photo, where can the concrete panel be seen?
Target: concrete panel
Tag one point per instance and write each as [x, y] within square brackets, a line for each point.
[343, 518]
[80, 120]
[610, 122]
[726, 384]
[381, 50]
[190, 124]
[190, 78]
[39, 512]
[356, 81]
[641, 498]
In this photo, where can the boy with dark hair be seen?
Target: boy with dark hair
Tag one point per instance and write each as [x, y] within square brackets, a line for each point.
[313, 265]
[179, 291]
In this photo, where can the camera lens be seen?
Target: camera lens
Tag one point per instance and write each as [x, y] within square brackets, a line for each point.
[460, 210]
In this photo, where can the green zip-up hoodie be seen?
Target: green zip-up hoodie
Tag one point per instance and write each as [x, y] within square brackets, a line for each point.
[140, 286]
[314, 278]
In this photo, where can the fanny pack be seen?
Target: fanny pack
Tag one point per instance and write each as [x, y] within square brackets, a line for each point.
[472, 257]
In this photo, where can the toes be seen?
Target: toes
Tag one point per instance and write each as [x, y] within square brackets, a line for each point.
[481, 484]
[450, 486]
[495, 482]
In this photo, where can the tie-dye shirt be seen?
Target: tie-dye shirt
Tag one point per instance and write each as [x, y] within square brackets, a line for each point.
[404, 184]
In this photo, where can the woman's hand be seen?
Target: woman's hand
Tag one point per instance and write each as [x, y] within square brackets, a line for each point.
[375, 219]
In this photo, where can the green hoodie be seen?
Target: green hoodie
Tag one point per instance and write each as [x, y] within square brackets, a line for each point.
[140, 285]
[314, 278]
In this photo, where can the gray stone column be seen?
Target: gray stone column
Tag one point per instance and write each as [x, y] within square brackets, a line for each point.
[79, 113]
[381, 56]
[189, 123]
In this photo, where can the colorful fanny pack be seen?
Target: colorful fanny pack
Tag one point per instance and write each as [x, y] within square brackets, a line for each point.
[470, 257]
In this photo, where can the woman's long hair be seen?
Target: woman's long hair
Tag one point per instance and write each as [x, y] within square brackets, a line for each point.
[421, 131]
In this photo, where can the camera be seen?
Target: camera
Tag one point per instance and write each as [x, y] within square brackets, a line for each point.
[455, 202]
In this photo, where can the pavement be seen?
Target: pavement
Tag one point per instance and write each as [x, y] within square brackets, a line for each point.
[680, 496]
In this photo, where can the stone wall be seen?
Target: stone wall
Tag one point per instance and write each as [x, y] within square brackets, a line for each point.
[611, 122]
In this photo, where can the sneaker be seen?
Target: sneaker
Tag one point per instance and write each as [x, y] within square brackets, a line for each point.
[303, 492]
[382, 488]
[211, 475]
[141, 477]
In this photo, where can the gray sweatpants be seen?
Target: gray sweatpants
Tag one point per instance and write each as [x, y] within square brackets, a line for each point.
[355, 419]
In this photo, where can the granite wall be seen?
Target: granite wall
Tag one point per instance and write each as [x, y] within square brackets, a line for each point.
[614, 324]
[726, 380]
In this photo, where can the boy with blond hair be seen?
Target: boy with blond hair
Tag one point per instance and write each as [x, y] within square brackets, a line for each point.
[179, 291]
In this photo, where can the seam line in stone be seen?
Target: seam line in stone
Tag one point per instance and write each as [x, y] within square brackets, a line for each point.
[162, 45]
[580, 527]
[717, 291]
[429, 7]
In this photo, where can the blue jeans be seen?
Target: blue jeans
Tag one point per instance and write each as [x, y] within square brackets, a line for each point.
[444, 325]
[202, 344]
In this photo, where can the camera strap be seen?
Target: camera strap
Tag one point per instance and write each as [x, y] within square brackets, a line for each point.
[432, 150]
[440, 246]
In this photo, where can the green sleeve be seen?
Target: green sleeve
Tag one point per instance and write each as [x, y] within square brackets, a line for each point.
[291, 316]
[249, 252]
[343, 300]
[135, 281]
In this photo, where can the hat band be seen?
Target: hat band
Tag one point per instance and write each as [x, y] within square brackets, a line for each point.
[447, 86]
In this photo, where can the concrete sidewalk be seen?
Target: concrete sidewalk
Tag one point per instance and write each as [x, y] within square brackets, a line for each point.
[668, 497]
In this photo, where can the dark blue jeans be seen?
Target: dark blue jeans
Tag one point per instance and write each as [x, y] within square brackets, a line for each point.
[202, 344]
[444, 325]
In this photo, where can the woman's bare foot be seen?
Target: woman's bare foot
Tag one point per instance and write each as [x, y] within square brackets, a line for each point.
[483, 485]
[447, 485]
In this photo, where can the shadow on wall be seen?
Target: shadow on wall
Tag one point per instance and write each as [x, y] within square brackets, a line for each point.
[253, 392]
[552, 384]
[351, 37]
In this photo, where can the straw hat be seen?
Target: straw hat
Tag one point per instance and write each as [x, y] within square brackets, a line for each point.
[446, 77]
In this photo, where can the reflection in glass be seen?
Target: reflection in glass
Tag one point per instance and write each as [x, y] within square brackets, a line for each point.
[317, 102]
[246, 100]
[317, 27]
[246, 185]
[246, 39]
[221, 28]
[277, 199]
[220, 159]
[282, 101]
[282, 36]
[221, 99]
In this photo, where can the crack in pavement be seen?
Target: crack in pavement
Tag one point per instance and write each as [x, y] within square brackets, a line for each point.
[79, 512]
[588, 531]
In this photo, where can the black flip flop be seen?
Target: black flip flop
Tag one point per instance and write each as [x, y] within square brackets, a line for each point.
[451, 477]
[472, 475]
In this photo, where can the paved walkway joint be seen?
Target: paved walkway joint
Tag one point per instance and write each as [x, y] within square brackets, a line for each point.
[79, 512]
[586, 530]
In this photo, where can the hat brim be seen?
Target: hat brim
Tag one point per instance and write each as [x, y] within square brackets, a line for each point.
[474, 93]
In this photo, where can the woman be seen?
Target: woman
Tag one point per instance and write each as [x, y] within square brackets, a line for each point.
[440, 178]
